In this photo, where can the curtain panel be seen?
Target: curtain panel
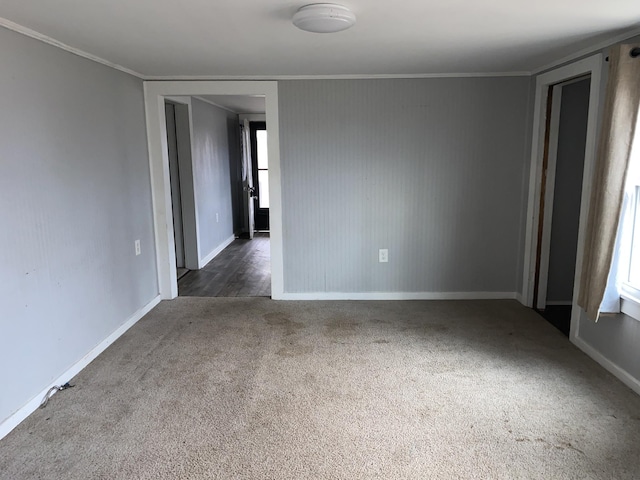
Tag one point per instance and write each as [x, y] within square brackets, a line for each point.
[620, 115]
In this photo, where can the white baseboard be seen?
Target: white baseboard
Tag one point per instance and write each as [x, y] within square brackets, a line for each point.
[16, 418]
[202, 262]
[399, 296]
[624, 376]
[520, 298]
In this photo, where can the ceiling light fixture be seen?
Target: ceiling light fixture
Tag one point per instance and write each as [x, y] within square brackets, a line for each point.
[324, 18]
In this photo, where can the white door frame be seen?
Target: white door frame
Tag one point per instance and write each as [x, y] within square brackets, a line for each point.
[154, 96]
[189, 215]
[593, 66]
[549, 193]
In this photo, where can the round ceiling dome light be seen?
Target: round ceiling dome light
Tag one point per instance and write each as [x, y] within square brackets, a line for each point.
[324, 18]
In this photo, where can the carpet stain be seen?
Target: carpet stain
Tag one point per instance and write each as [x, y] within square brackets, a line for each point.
[283, 320]
[341, 327]
[437, 328]
[294, 351]
[378, 321]
[562, 445]
[382, 340]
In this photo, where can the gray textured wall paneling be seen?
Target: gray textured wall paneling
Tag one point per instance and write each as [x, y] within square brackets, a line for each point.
[74, 196]
[212, 156]
[430, 169]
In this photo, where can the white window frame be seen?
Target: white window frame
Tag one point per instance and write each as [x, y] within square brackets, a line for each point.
[630, 293]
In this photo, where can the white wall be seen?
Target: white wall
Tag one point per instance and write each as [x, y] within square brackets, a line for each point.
[431, 169]
[215, 159]
[74, 196]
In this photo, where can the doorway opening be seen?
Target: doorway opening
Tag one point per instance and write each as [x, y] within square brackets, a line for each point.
[155, 94]
[231, 261]
[562, 158]
[561, 192]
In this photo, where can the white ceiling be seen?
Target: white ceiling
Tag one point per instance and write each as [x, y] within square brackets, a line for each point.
[240, 38]
[238, 103]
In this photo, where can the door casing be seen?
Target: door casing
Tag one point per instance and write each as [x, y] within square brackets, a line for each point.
[589, 66]
[155, 93]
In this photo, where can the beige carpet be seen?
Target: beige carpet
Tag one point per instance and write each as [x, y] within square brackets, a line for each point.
[257, 389]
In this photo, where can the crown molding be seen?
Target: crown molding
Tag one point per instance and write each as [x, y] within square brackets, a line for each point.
[331, 77]
[588, 50]
[9, 25]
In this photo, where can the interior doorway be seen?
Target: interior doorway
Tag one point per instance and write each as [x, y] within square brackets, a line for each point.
[550, 273]
[155, 94]
[231, 265]
[561, 193]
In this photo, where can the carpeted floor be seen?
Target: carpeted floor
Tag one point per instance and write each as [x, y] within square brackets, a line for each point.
[249, 388]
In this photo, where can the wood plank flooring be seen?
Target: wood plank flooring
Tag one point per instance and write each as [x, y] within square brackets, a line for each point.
[241, 270]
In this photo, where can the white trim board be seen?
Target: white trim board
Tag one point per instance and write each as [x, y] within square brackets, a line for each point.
[618, 372]
[345, 76]
[630, 307]
[9, 25]
[203, 262]
[17, 417]
[400, 296]
[252, 117]
[154, 95]
[552, 157]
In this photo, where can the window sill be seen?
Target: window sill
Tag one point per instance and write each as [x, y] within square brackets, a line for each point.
[630, 302]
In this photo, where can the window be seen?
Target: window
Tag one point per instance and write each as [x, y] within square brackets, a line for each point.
[634, 264]
[630, 241]
[263, 169]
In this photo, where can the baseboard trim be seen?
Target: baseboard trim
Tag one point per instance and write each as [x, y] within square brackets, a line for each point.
[16, 418]
[560, 303]
[203, 262]
[400, 296]
[620, 373]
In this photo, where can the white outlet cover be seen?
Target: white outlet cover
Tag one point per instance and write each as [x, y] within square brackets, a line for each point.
[383, 255]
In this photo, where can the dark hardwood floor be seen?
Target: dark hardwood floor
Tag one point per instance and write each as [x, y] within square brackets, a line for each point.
[559, 316]
[240, 270]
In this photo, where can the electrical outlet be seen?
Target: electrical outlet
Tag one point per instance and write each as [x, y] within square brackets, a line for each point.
[383, 255]
[137, 244]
